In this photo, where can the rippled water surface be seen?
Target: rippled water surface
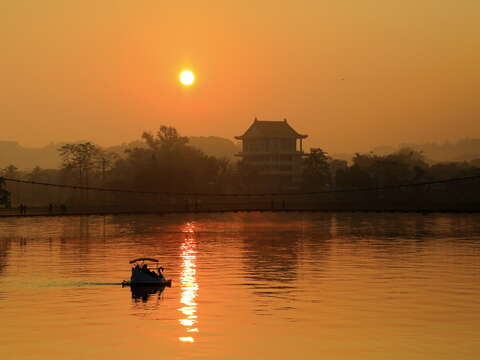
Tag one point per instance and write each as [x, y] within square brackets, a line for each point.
[258, 286]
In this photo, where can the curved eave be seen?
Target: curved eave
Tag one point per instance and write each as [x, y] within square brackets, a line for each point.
[297, 136]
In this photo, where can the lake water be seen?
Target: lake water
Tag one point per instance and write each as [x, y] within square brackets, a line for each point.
[256, 286]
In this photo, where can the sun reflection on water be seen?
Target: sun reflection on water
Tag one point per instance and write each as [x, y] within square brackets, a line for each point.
[188, 284]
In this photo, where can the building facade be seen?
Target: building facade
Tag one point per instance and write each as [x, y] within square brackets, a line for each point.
[273, 151]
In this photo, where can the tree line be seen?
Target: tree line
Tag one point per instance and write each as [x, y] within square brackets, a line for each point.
[167, 163]
[404, 166]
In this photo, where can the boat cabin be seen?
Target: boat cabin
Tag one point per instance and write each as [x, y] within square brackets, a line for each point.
[147, 271]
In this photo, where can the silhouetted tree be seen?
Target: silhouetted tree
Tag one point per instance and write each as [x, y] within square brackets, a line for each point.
[336, 167]
[168, 164]
[448, 170]
[167, 138]
[10, 171]
[370, 170]
[80, 159]
[316, 170]
[4, 195]
[86, 161]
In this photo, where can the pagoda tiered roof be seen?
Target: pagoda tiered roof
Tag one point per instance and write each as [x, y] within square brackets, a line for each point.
[270, 129]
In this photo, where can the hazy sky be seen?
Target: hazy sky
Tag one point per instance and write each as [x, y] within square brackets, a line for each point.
[351, 74]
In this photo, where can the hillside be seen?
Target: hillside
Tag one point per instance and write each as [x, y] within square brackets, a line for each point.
[27, 158]
[47, 157]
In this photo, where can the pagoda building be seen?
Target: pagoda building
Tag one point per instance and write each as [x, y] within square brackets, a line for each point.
[273, 149]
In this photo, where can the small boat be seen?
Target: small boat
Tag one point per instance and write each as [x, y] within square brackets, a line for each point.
[143, 275]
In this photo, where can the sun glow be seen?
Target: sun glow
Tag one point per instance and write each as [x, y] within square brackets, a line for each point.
[187, 77]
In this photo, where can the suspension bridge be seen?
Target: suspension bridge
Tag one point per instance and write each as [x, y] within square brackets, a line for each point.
[20, 197]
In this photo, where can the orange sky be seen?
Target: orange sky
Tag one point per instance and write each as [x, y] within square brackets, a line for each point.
[351, 74]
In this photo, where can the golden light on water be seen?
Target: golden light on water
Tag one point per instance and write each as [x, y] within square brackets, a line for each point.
[187, 77]
[188, 284]
[186, 339]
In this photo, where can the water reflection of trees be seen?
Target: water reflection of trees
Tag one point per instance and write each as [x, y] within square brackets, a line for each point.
[275, 247]
[283, 253]
[270, 256]
[405, 226]
[4, 247]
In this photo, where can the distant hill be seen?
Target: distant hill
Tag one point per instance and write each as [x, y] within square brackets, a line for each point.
[461, 150]
[210, 145]
[27, 158]
[47, 157]
[216, 146]
[120, 149]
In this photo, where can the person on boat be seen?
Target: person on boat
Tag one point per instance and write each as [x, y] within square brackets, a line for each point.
[160, 274]
[153, 273]
[147, 271]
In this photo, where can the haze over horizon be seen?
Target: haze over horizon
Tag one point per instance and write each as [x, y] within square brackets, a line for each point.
[351, 75]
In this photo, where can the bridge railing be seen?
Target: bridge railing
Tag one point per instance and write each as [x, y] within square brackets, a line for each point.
[43, 198]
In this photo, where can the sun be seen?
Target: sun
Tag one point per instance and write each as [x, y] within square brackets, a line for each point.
[187, 77]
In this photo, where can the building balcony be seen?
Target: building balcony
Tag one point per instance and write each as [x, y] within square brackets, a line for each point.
[270, 153]
[265, 163]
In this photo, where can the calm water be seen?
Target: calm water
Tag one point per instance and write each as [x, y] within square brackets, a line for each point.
[258, 286]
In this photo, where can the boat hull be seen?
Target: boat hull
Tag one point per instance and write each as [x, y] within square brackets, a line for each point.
[167, 283]
[139, 277]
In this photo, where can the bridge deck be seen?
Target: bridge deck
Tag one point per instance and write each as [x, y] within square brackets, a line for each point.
[36, 212]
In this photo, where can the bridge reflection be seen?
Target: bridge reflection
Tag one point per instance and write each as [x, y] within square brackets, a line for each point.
[188, 284]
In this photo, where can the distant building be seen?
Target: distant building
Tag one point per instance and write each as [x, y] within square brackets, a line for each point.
[273, 151]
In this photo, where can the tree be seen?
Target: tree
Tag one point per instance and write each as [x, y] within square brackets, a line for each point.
[167, 138]
[316, 170]
[80, 158]
[168, 164]
[35, 174]
[10, 171]
[404, 166]
[5, 198]
[106, 162]
[337, 167]
[370, 170]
